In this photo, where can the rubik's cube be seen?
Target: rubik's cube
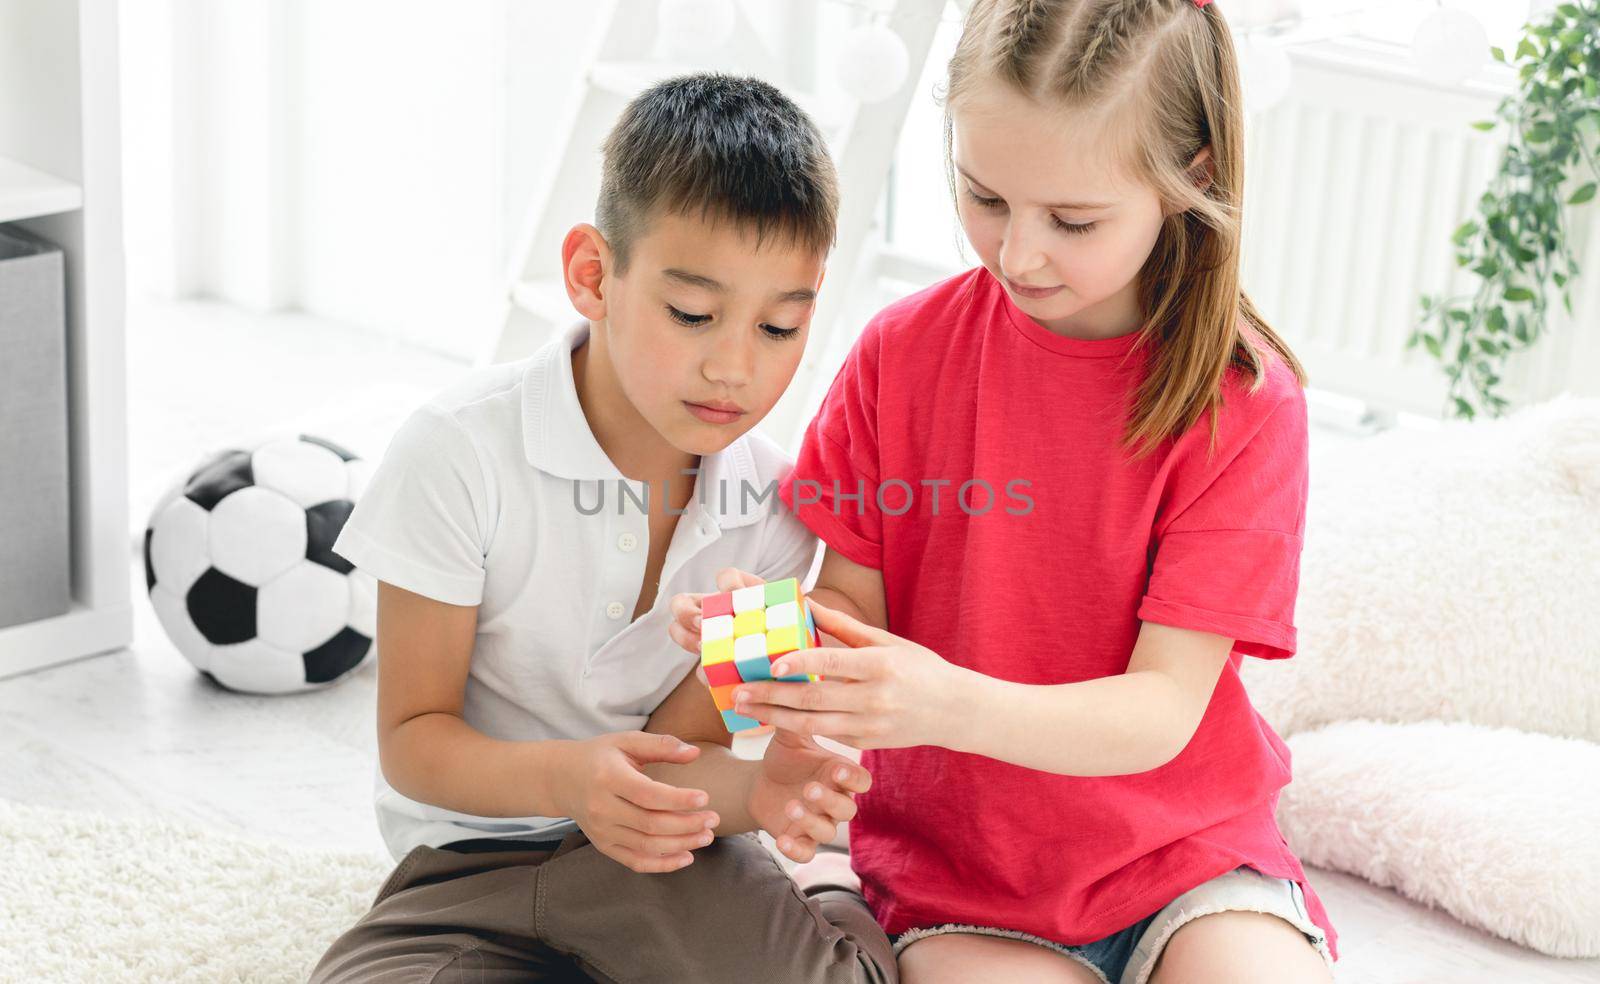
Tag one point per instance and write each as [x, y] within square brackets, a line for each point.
[743, 632]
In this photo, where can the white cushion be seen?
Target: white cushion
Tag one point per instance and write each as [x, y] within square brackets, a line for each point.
[1452, 575]
[1498, 827]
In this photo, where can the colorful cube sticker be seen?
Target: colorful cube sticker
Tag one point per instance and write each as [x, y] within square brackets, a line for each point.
[715, 605]
[743, 632]
[724, 674]
[749, 623]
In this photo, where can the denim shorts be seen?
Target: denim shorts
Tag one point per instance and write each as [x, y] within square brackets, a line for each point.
[1129, 955]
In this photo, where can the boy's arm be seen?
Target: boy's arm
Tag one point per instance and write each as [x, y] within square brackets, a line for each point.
[429, 753]
[689, 714]
[799, 792]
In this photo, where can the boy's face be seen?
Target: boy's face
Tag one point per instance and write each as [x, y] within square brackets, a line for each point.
[705, 330]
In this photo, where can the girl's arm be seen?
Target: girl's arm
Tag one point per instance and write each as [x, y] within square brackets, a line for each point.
[890, 692]
[852, 588]
[1116, 725]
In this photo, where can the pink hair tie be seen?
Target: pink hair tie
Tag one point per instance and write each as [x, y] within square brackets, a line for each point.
[1202, 4]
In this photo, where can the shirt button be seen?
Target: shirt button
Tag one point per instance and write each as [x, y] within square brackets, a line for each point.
[626, 542]
[614, 610]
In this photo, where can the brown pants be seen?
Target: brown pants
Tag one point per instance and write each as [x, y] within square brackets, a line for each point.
[573, 914]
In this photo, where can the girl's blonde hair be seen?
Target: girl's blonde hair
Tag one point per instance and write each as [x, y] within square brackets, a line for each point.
[1166, 70]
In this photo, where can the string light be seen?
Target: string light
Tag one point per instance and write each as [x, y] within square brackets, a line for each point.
[1449, 46]
[1265, 73]
[689, 27]
[872, 63]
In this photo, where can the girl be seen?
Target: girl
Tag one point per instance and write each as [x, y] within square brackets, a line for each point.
[1063, 498]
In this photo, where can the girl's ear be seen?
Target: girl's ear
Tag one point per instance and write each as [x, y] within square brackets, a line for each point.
[586, 259]
[1202, 169]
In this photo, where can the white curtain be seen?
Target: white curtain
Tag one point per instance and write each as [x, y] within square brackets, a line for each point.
[363, 161]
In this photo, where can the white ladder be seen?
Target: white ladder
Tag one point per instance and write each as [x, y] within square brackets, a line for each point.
[862, 140]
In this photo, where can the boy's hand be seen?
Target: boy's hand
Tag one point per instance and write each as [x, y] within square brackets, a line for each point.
[685, 625]
[803, 792]
[631, 818]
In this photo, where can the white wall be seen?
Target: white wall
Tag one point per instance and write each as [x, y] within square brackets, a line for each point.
[147, 146]
[365, 162]
[395, 170]
[373, 163]
[362, 161]
[544, 44]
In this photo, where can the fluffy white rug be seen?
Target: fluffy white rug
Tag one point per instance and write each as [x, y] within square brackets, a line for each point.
[1454, 577]
[1493, 825]
[92, 898]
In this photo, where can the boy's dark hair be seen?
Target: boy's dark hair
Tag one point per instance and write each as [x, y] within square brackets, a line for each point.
[724, 147]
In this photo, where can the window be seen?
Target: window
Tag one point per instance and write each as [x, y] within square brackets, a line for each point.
[920, 214]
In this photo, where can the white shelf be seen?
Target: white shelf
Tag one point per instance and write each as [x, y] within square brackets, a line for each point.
[59, 113]
[81, 631]
[26, 193]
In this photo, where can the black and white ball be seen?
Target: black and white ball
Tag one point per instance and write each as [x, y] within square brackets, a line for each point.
[239, 563]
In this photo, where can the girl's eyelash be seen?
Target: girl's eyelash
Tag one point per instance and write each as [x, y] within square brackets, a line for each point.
[1072, 228]
[696, 320]
[981, 201]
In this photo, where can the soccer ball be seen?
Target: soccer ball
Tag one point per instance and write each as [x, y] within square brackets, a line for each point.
[239, 564]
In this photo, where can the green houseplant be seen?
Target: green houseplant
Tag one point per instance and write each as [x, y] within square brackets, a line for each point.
[1517, 245]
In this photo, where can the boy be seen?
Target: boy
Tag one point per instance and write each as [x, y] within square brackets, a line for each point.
[543, 814]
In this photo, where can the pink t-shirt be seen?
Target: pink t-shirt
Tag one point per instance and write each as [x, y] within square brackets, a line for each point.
[1045, 579]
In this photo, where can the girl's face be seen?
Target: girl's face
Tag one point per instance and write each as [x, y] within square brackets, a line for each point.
[1051, 213]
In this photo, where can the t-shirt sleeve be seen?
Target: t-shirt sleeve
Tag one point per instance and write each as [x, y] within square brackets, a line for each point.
[832, 487]
[1228, 562]
[789, 551]
[420, 523]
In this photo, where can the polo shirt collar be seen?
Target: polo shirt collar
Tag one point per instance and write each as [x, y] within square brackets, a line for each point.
[556, 439]
[723, 479]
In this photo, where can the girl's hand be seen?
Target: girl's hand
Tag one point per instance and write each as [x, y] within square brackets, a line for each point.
[882, 692]
[685, 625]
[803, 792]
[631, 818]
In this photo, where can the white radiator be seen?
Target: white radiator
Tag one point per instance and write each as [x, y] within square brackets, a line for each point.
[1353, 186]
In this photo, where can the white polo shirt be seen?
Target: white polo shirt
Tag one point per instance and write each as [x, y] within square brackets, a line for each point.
[474, 504]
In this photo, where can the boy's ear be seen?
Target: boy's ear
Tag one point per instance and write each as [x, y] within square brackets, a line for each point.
[1203, 169]
[586, 258]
